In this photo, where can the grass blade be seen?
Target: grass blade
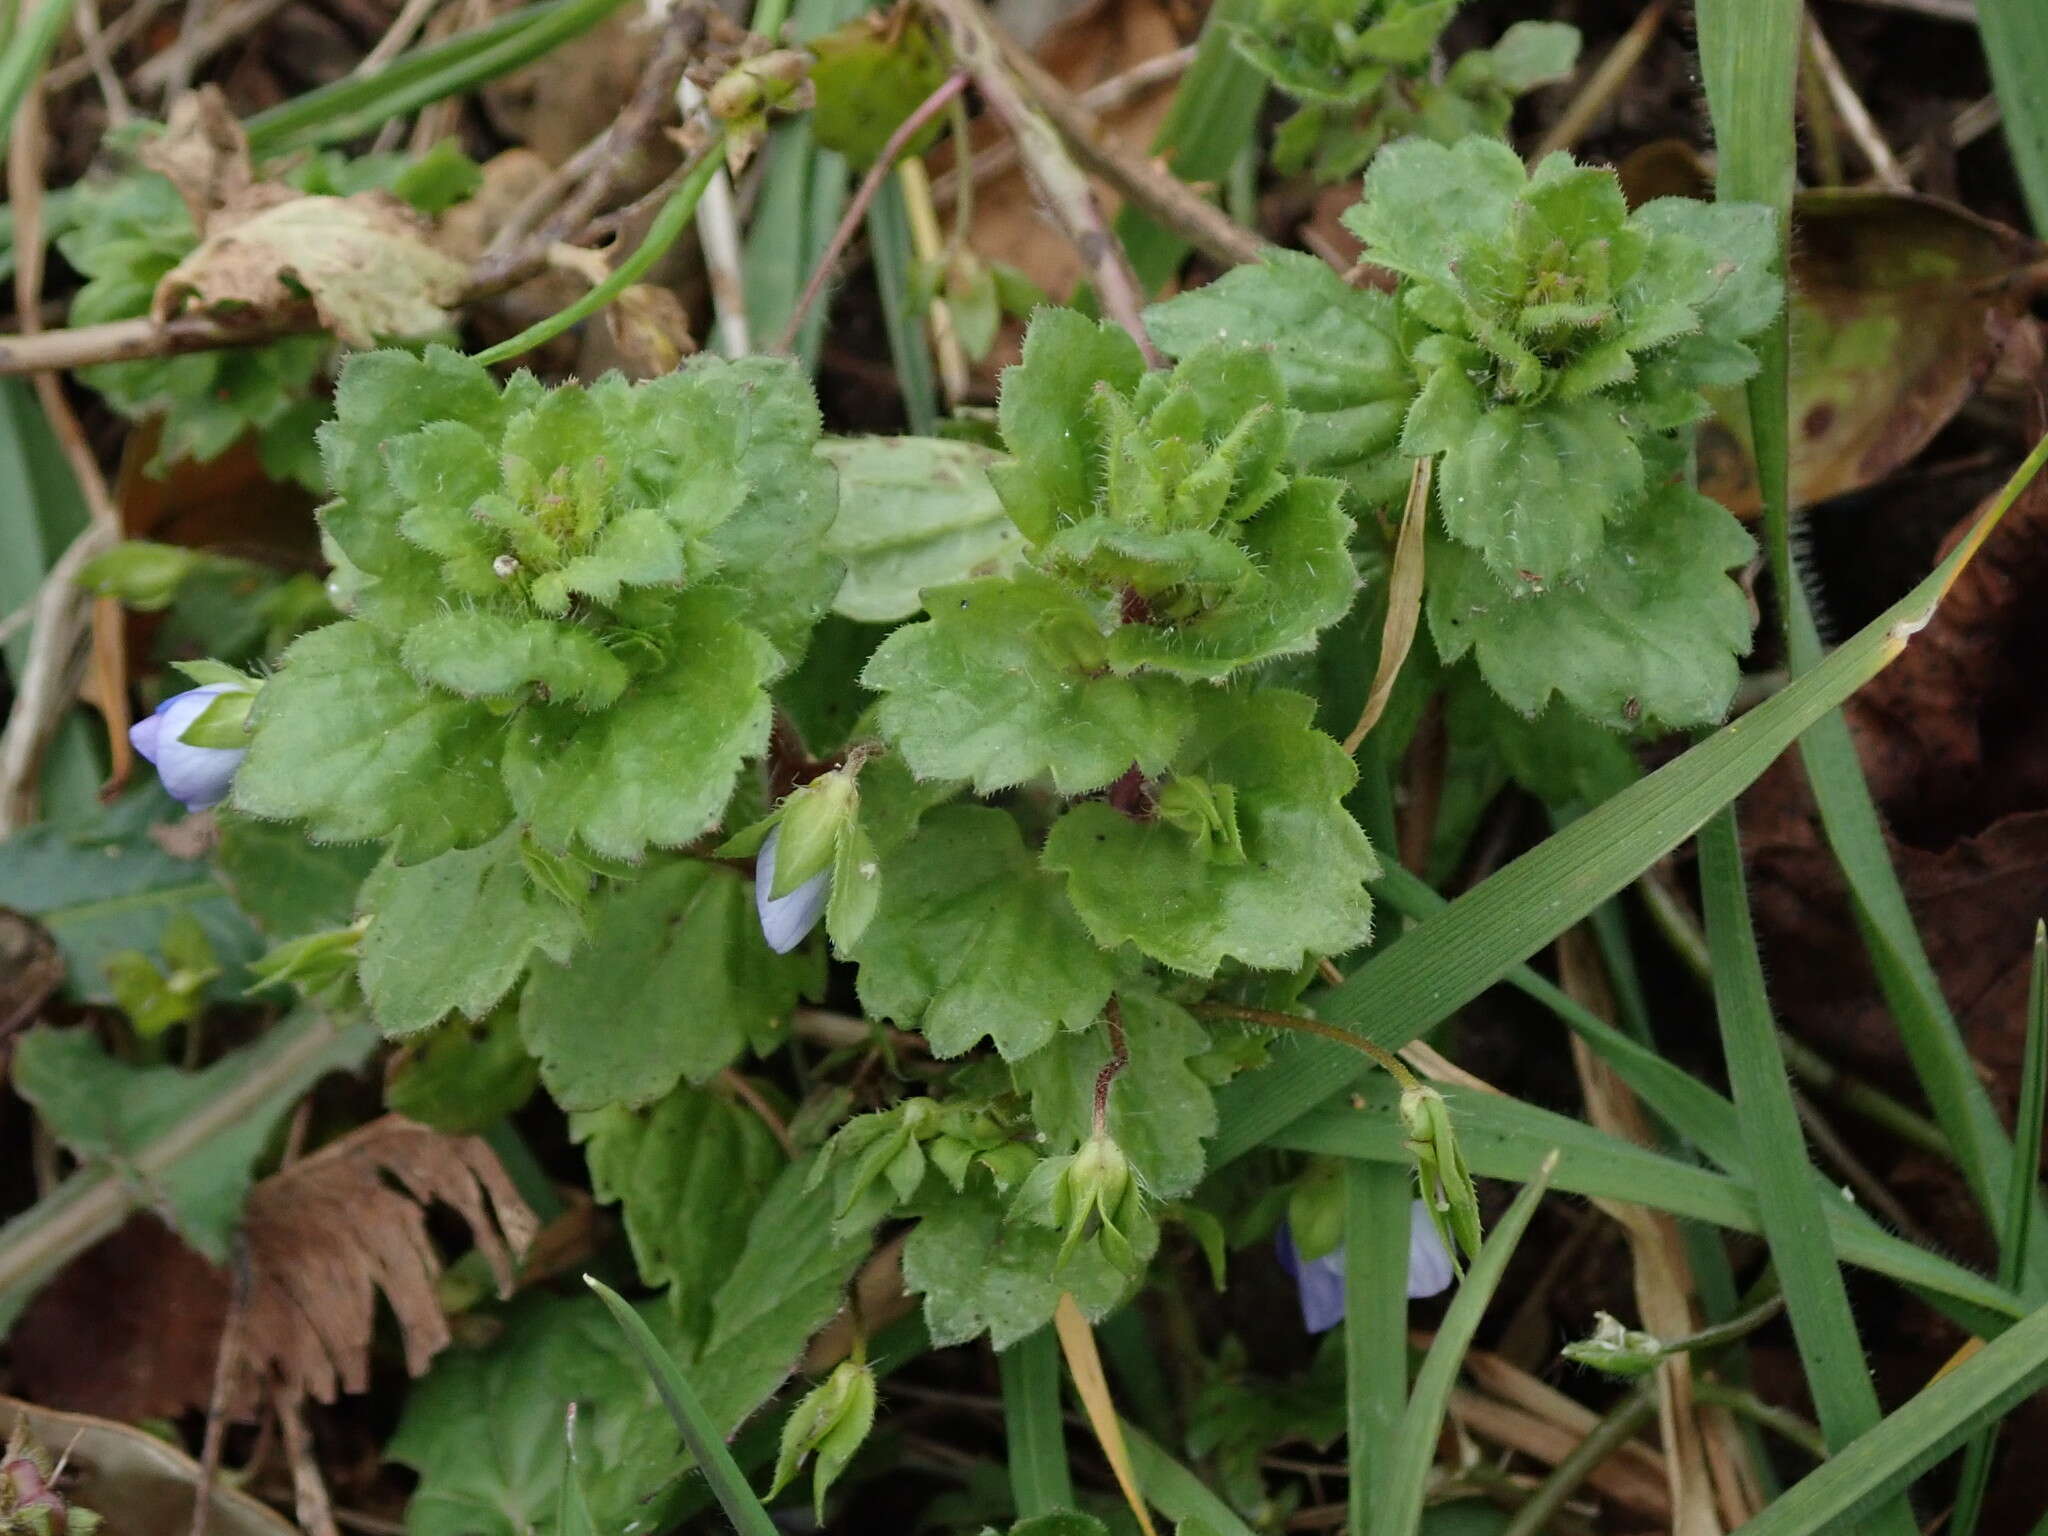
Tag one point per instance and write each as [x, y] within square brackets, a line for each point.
[1175, 1491]
[1213, 116]
[1036, 1440]
[1793, 1215]
[1376, 1197]
[1446, 961]
[357, 105]
[889, 246]
[699, 1432]
[1504, 1138]
[1749, 53]
[1875, 1467]
[2019, 1210]
[1397, 1497]
[22, 59]
[2015, 34]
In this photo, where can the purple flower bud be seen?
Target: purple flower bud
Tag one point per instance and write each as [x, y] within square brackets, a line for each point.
[786, 919]
[198, 776]
[1320, 1282]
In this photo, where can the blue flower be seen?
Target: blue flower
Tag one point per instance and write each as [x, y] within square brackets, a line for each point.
[1321, 1281]
[199, 776]
[786, 919]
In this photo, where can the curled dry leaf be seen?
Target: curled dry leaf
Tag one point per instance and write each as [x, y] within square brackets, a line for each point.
[326, 1234]
[366, 263]
[204, 153]
[31, 968]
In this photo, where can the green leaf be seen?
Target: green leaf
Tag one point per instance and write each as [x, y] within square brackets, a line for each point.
[914, 512]
[1533, 489]
[464, 1076]
[981, 1272]
[1338, 354]
[1065, 357]
[1008, 681]
[1532, 53]
[453, 934]
[673, 983]
[1300, 887]
[115, 1116]
[658, 767]
[348, 742]
[971, 939]
[688, 1171]
[1034, 1433]
[1560, 757]
[480, 654]
[108, 887]
[483, 1428]
[1160, 1108]
[1649, 629]
[286, 885]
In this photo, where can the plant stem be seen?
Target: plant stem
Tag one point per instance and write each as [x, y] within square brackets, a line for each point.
[1602, 1441]
[1302, 1024]
[1119, 1058]
[667, 228]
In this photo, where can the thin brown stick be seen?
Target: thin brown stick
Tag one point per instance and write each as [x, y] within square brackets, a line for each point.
[403, 29]
[749, 1095]
[118, 33]
[1604, 83]
[857, 209]
[1136, 177]
[1052, 171]
[92, 44]
[593, 169]
[1855, 118]
[309, 1491]
[1105, 96]
[170, 70]
[226, 1361]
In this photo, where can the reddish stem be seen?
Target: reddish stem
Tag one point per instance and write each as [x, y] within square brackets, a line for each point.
[1119, 1058]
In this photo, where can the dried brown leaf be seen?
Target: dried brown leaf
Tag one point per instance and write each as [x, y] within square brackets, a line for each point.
[367, 264]
[328, 1233]
[204, 152]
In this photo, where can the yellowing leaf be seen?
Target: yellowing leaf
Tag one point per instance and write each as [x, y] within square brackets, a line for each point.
[366, 264]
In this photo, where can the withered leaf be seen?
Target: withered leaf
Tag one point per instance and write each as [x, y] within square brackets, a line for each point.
[326, 1234]
[366, 263]
[203, 152]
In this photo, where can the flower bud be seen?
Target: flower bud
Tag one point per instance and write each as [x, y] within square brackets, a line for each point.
[786, 919]
[195, 774]
[1617, 1350]
[1441, 1171]
[813, 820]
[831, 1420]
[735, 95]
[139, 574]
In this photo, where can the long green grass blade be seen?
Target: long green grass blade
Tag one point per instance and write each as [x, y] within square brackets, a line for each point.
[1397, 1499]
[1504, 1138]
[1793, 1214]
[2019, 1212]
[1214, 115]
[2015, 34]
[668, 226]
[1175, 1491]
[1376, 1198]
[1749, 53]
[699, 1430]
[23, 57]
[889, 244]
[1035, 1437]
[359, 105]
[1870, 1470]
[1446, 961]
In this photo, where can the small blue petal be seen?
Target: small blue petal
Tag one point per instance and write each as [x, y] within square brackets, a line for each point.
[1429, 1265]
[786, 919]
[198, 776]
[1320, 1282]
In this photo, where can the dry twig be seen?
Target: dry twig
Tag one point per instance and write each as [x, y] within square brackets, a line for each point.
[995, 65]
